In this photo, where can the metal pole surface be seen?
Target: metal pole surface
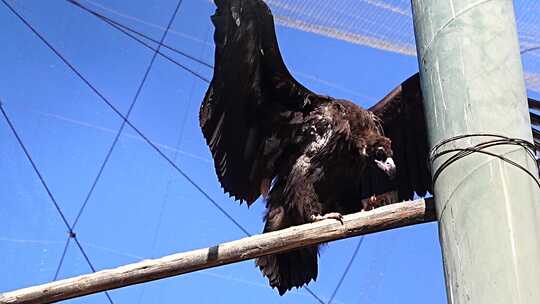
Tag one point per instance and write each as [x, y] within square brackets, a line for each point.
[488, 210]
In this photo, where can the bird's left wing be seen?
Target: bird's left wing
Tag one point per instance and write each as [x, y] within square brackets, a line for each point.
[251, 101]
[403, 120]
[402, 117]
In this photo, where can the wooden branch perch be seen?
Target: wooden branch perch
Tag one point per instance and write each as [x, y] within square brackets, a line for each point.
[384, 218]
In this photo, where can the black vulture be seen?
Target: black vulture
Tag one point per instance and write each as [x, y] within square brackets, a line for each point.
[310, 156]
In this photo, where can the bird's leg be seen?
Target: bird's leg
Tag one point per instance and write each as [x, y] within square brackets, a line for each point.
[376, 201]
[332, 215]
[371, 203]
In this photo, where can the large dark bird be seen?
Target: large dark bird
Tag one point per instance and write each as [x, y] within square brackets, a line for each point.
[310, 156]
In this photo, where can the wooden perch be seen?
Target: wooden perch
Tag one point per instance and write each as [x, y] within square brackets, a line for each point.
[383, 218]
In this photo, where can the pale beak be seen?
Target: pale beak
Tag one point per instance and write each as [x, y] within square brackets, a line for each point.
[387, 166]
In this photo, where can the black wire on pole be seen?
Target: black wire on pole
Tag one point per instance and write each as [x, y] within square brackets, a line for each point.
[132, 105]
[125, 30]
[460, 153]
[47, 189]
[347, 268]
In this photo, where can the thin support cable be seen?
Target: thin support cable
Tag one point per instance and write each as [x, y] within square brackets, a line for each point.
[119, 26]
[104, 99]
[143, 22]
[314, 295]
[535, 48]
[51, 196]
[353, 257]
[361, 223]
[170, 181]
[126, 29]
[34, 166]
[62, 257]
[122, 126]
[178, 64]
[115, 110]
[90, 263]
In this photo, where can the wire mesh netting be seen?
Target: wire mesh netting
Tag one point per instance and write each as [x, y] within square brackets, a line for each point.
[387, 25]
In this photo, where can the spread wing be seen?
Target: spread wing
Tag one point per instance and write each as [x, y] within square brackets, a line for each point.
[252, 98]
[534, 109]
[403, 120]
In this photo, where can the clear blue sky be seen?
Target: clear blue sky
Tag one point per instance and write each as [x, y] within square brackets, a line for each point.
[141, 208]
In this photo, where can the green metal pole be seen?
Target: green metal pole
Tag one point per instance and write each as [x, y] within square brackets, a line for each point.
[488, 210]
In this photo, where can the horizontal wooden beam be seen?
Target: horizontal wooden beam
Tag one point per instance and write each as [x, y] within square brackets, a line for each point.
[383, 218]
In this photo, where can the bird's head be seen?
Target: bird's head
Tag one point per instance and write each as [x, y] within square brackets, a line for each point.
[378, 149]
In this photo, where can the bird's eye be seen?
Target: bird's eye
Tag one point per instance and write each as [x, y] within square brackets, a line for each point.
[380, 154]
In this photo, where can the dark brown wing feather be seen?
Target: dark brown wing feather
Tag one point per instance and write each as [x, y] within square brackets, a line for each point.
[402, 117]
[534, 109]
[403, 120]
[251, 93]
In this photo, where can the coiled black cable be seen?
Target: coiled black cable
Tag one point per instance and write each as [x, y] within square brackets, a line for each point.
[460, 153]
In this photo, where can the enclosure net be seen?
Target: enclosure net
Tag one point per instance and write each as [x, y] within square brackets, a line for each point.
[387, 25]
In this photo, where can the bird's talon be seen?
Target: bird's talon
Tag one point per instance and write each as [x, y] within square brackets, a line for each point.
[376, 201]
[333, 215]
[371, 203]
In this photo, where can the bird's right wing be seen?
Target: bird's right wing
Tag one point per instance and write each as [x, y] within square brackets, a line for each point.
[252, 101]
[534, 109]
[403, 120]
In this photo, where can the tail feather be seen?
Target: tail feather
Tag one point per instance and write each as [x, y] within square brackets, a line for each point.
[294, 268]
[291, 269]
